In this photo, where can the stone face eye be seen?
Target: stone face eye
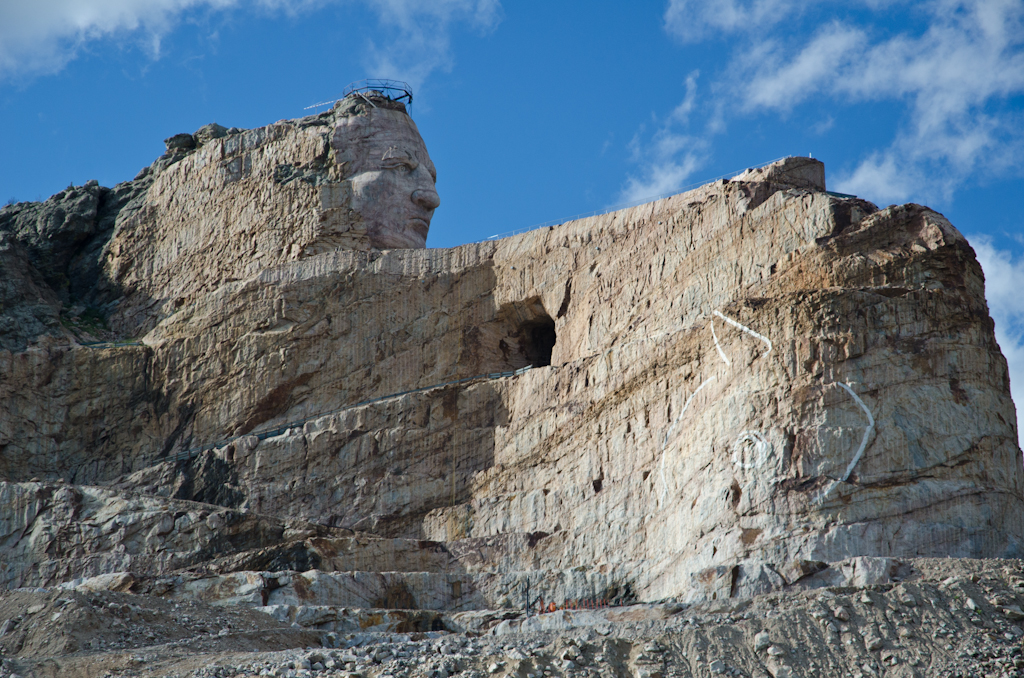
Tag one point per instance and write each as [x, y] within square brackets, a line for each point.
[403, 163]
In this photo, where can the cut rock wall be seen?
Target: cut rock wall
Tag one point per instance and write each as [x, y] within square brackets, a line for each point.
[747, 382]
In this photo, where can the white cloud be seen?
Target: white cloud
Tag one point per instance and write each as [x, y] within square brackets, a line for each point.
[667, 172]
[1004, 279]
[783, 85]
[420, 43]
[694, 20]
[484, 14]
[882, 177]
[41, 36]
[671, 156]
[681, 114]
[952, 77]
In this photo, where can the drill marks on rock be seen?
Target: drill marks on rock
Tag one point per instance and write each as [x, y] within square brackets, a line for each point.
[860, 450]
[668, 434]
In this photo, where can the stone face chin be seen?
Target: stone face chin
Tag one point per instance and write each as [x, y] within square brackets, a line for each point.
[751, 386]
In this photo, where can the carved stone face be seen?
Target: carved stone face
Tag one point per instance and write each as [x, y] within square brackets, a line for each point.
[391, 176]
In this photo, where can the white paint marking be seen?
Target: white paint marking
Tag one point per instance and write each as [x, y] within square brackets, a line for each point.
[720, 351]
[762, 446]
[757, 443]
[748, 331]
[664, 445]
[867, 431]
[860, 450]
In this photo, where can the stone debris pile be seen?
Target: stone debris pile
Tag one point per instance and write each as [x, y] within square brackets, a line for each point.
[921, 626]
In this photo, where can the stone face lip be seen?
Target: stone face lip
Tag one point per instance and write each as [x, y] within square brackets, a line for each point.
[749, 387]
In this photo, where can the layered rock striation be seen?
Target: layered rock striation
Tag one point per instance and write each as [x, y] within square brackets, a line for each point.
[714, 395]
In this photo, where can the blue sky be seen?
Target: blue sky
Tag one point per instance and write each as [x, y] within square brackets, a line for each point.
[538, 111]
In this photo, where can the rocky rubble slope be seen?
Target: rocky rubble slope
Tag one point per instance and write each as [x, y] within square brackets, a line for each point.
[948, 617]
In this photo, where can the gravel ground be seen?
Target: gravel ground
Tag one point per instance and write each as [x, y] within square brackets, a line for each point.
[945, 618]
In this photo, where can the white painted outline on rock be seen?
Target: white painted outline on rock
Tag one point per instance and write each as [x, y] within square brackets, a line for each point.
[760, 442]
[720, 351]
[664, 445]
[744, 328]
[761, 445]
[860, 450]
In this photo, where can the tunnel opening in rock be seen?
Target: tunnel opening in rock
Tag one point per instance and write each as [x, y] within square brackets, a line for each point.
[538, 340]
[523, 334]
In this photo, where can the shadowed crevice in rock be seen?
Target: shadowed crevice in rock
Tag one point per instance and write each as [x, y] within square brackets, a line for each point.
[528, 334]
[273, 404]
[396, 597]
[209, 480]
[65, 241]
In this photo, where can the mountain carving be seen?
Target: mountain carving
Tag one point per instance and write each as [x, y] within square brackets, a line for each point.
[240, 379]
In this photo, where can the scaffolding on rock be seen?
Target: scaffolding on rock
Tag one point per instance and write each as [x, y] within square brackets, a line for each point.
[393, 90]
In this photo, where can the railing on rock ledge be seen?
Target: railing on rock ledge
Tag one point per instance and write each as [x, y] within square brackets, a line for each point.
[280, 430]
[109, 344]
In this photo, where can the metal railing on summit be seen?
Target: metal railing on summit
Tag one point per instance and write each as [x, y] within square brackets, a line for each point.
[395, 90]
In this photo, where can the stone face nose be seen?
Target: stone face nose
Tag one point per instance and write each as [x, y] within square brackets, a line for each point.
[426, 199]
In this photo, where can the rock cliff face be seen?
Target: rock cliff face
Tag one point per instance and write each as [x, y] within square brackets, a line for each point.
[355, 177]
[714, 395]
